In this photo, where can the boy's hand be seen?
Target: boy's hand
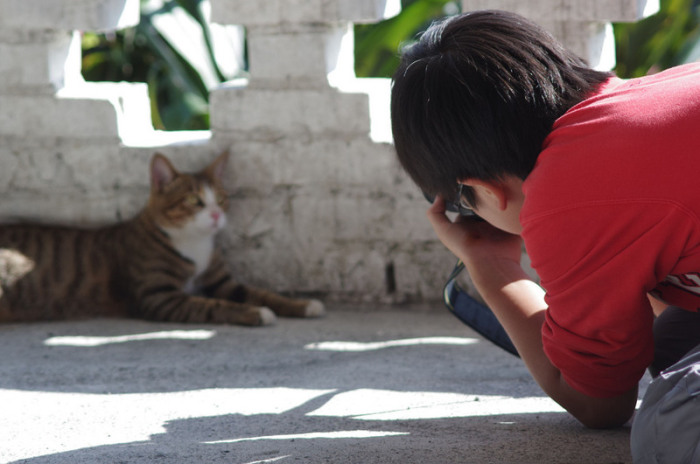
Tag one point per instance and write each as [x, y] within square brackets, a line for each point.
[473, 240]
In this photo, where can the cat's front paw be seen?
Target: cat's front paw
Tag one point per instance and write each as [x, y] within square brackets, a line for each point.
[314, 309]
[267, 317]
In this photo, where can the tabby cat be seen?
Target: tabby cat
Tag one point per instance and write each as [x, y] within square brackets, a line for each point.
[162, 265]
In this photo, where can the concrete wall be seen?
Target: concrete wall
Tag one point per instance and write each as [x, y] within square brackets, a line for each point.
[319, 203]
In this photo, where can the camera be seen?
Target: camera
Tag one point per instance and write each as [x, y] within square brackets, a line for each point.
[453, 207]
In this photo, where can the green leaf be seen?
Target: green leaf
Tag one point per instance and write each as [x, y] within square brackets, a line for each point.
[659, 41]
[377, 45]
[151, 52]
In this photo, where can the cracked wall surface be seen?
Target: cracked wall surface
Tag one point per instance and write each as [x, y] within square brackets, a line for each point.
[318, 205]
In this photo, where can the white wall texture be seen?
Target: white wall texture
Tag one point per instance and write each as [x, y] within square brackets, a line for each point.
[319, 203]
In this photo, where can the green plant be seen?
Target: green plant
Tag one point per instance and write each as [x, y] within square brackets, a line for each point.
[668, 38]
[377, 45]
[172, 50]
[180, 73]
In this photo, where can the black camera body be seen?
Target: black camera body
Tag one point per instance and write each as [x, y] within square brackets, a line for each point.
[452, 207]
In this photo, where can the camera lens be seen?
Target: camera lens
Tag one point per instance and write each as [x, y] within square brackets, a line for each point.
[451, 206]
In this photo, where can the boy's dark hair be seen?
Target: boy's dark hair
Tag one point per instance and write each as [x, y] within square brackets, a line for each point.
[477, 95]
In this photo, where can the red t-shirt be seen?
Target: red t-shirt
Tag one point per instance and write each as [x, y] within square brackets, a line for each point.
[611, 212]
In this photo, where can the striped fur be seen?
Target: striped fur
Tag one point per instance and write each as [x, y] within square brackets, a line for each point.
[161, 265]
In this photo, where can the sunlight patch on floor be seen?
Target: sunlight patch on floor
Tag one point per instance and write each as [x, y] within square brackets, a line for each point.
[373, 346]
[314, 435]
[71, 421]
[385, 405]
[89, 341]
[278, 458]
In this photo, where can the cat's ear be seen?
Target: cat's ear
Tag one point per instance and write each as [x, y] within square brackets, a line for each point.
[162, 172]
[218, 167]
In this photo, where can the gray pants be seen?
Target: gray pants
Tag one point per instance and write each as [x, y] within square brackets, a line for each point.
[666, 429]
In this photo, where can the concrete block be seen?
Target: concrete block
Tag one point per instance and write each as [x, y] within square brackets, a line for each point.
[65, 166]
[359, 270]
[302, 11]
[341, 216]
[347, 273]
[258, 239]
[9, 164]
[44, 116]
[84, 110]
[44, 67]
[279, 113]
[421, 271]
[307, 58]
[282, 270]
[65, 182]
[262, 221]
[366, 11]
[68, 15]
[257, 167]
[379, 93]
[268, 12]
[295, 232]
[69, 208]
[409, 219]
[131, 105]
[253, 168]
[571, 10]
[303, 58]
[296, 58]
[336, 163]
[593, 41]
[314, 218]
[363, 215]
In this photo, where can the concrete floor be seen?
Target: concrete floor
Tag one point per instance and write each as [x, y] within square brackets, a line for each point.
[362, 385]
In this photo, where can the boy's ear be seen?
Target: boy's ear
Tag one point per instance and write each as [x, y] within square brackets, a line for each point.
[492, 192]
[162, 172]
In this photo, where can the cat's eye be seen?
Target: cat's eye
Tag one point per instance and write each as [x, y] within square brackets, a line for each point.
[193, 200]
[220, 197]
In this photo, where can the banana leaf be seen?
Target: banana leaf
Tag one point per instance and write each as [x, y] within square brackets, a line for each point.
[172, 49]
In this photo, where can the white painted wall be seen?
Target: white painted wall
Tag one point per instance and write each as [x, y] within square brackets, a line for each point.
[319, 202]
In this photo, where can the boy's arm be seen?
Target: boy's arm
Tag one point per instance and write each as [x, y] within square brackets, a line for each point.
[492, 258]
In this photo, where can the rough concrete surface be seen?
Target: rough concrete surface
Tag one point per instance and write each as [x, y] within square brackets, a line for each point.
[361, 385]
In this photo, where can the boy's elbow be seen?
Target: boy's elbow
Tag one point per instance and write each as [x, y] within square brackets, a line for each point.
[607, 413]
[605, 420]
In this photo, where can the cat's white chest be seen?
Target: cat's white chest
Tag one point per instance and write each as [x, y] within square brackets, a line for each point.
[198, 250]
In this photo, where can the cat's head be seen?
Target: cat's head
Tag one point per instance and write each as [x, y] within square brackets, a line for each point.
[187, 204]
